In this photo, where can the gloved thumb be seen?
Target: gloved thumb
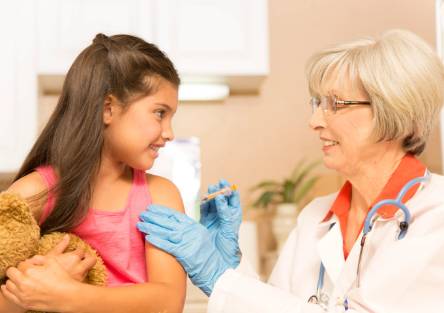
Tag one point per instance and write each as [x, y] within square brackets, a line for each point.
[223, 211]
[230, 217]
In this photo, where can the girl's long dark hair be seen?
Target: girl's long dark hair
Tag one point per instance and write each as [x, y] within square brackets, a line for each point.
[122, 65]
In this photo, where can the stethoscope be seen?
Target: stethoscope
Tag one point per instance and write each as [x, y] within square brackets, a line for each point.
[321, 298]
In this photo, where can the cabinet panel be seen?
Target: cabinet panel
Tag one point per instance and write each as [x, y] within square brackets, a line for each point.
[66, 27]
[202, 37]
[8, 79]
[215, 37]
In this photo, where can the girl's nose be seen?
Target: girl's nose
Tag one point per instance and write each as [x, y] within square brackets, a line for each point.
[167, 133]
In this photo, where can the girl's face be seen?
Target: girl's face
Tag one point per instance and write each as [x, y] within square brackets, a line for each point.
[134, 136]
[346, 136]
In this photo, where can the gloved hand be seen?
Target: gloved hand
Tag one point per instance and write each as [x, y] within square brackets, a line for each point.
[190, 242]
[222, 216]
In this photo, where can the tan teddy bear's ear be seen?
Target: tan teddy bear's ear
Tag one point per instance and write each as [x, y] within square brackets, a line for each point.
[19, 232]
[13, 206]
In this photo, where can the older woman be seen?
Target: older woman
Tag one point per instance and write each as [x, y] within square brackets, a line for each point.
[374, 103]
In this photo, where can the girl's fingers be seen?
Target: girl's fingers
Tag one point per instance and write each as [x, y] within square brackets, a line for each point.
[37, 260]
[60, 247]
[80, 252]
[8, 295]
[11, 287]
[88, 262]
[14, 275]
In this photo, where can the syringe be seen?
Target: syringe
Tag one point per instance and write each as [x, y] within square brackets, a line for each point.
[224, 191]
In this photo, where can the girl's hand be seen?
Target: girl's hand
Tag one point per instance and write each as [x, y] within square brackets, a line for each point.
[77, 263]
[44, 286]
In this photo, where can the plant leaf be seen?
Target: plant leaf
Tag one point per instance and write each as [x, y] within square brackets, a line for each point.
[304, 189]
[266, 184]
[297, 169]
[265, 199]
[304, 171]
[288, 190]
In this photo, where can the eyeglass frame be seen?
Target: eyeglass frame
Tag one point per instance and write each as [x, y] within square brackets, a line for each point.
[336, 104]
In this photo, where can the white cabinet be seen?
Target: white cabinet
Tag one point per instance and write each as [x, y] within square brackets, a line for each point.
[66, 27]
[206, 39]
[211, 36]
[18, 83]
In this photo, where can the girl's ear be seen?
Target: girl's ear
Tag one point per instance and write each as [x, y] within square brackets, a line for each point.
[109, 109]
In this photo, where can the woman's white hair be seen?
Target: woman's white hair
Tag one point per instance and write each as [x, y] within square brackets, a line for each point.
[402, 75]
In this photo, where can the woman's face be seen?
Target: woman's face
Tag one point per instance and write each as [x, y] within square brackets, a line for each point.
[345, 136]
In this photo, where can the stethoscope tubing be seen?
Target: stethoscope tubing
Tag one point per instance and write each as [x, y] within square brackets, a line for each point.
[368, 224]
[396, 202]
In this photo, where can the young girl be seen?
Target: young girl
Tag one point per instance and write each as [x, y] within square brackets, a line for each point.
[86, 175]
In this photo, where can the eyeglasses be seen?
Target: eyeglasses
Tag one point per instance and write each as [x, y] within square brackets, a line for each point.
[332, 104]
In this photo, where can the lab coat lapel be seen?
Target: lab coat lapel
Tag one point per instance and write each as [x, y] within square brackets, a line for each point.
[330, 250]
[349, 273]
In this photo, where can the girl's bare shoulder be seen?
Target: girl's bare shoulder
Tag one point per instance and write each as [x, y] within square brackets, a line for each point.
[29, 186]
[164, 192]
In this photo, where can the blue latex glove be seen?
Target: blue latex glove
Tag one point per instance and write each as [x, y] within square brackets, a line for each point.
[190, 242]
[222, 216]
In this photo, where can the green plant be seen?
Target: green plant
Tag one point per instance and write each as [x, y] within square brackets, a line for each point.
[290, 190]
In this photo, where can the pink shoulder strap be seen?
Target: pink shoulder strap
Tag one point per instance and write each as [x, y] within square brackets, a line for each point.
[49, 176]
[140, 193]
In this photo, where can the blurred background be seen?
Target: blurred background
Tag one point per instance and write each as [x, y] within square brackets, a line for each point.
[244, 110]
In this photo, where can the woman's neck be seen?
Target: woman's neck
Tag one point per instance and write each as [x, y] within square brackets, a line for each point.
[370, 179]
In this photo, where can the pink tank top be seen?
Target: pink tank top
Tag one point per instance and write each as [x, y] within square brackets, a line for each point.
[112, 233]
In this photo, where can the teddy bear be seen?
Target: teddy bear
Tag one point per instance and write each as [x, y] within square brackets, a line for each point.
[20, 239]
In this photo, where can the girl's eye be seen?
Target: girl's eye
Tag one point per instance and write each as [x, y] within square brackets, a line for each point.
[160, 113]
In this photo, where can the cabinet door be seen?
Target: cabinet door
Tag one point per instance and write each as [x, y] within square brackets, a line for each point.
[18, 83]
[225, 38]
[66, 27]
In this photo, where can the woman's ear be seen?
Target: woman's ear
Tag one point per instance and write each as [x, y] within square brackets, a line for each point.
[109, 109]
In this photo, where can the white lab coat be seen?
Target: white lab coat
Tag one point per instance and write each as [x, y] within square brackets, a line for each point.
[397, 276]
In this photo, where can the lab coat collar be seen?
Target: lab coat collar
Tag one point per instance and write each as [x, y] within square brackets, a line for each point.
[340, 271]
[330, 248]
[410, 167]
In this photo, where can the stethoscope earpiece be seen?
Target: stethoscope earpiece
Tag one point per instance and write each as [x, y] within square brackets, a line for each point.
[403, 226]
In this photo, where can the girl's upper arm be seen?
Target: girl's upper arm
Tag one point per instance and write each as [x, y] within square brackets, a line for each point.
[27, 187]
[161, 266]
